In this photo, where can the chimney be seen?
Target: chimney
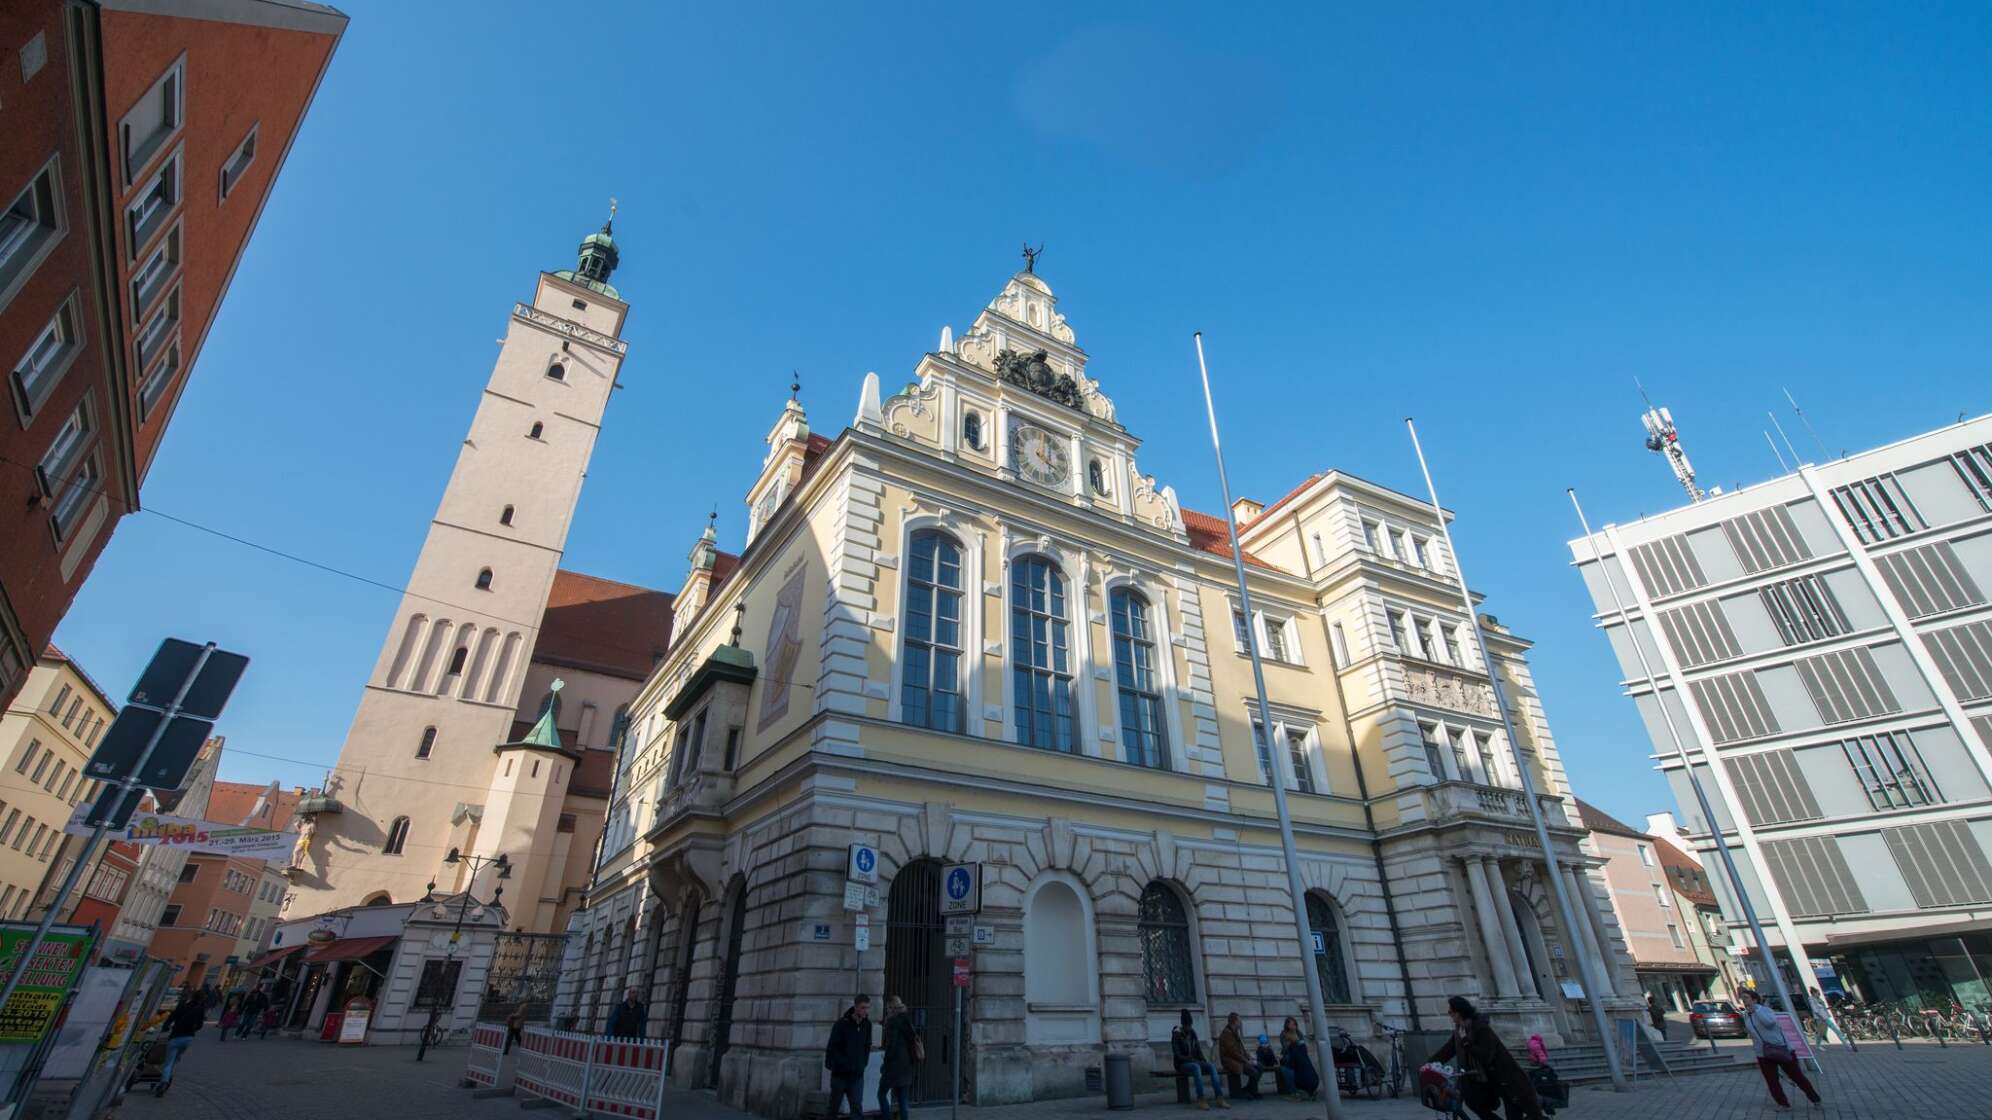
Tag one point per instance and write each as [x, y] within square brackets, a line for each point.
[1245, 509]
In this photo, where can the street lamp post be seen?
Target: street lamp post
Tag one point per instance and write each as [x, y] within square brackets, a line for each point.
[477, 863]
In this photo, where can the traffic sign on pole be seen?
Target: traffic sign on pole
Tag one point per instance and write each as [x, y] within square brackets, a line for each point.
[864, 864]
[117, 754]
[961, 972]
[169, 669]
[961, 888]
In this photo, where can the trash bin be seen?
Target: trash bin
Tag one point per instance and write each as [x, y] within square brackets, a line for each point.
[1120, 1081]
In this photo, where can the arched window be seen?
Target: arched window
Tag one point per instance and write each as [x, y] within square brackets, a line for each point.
[1055, 947]
[557, 371]
[536, 430]
[484, 580]
[1328, 961]
[457, 659]
[971, 429]
[930, 676]
[1164, 931]
[1040, 656]
[378, 898]
[397, 836]
[428, 742]
[506, 517]
[1143, 736]
[1097, 476]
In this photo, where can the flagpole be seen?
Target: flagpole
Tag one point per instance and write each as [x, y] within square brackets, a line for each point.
[1701, 795]
[1591, 969]
[1331, 1089]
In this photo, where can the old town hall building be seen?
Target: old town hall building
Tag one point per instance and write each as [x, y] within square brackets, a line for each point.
[968, 629]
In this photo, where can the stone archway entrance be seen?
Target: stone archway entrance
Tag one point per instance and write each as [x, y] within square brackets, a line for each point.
[917, 971]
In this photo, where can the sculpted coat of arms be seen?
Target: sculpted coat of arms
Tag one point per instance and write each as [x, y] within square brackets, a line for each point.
[1034, 372]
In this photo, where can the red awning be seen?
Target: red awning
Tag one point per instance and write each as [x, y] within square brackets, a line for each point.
[272, 957]
[350, 948]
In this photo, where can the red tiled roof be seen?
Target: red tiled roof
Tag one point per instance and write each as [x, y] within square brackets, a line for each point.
[1675, 860]
[1598, 820]
[1210, 534]
[604, 626]
[232, 802]
[1290, 496]
[724, 564]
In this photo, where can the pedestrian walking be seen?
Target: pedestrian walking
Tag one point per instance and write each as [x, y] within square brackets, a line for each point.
[1823, 1020]
[181, 1028]
[231, 1012]
[1654, 1013]
[251, 1014]
[1233, 1058]
[902, 1051]
[1489, 1076]
[846, 1055]
[1774, 1052]
[1298, 1060]
[1188, 1053]
[631, 1018]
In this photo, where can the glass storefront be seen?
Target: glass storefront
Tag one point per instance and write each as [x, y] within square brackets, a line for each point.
[1921, 974]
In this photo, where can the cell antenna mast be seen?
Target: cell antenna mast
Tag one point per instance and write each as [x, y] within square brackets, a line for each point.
[1661, 437]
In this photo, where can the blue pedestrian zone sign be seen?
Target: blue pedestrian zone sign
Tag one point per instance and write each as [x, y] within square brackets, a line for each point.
[961, 888]
[864, 864]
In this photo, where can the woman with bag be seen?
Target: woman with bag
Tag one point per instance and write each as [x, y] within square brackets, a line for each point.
[1774, 1053]
[903, 1051]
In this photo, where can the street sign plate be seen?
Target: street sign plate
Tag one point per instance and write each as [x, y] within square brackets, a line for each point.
[862, 938]
[871, 898]
[117, 816]
[956, 947]
[864, 864]
[168, 669]
[117, 753]
[961, 972]
[961, 888]
[861, 919]
[958, 925]
[854, 896]
[985, 935]
[818, 931]
[1320, 942]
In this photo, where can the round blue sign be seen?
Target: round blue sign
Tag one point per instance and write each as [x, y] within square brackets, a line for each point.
[867, 859]
[958, 883]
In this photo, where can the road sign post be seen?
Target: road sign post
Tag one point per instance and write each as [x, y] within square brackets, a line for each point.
[199, 694]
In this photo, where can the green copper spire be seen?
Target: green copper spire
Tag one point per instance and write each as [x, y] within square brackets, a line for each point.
[598, 259]
[544, 732]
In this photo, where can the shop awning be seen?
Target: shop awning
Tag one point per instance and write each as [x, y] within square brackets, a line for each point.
[1690, 968]
[272, 957]
[349, 949]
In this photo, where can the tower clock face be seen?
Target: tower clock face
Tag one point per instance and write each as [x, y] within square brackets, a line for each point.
[1040, 456]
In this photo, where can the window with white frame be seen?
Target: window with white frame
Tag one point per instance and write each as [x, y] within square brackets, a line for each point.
[1298, 755]
[1496, 767]
[147, 213]
[1338, 644]
[1397, 635]
[1144, 737]
[31, 221]
[153, 121]
[1421, 552]
[1466, 753]
[1674, 935]
[1442, 647]
[154, 383]
[1263, 751]
[1279, 641]
[238, 162]
[69, 470]
[1435, 749]
[1398, 547]
[1320, 550]
[1041, 656]
[1660, 896]
[930, 670]
[1372, 536]
[1645, 854]
[1300, 776]
[38, 371]
[1241, 630]
[149, 281]
[159, 329]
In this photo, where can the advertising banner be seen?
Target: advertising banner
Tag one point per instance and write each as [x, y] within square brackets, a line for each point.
[46, 981]
[193, 835]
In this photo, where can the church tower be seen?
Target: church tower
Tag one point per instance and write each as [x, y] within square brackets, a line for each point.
[423, 765]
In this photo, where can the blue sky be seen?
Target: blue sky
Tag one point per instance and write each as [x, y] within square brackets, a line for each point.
[1492, 219]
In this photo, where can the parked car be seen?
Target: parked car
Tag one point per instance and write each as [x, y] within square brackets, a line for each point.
[1716, 1019]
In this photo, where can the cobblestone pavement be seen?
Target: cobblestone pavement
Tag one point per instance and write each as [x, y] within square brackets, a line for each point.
[289, 1080]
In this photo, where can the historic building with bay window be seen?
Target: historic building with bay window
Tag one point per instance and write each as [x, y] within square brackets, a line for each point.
[969, 629]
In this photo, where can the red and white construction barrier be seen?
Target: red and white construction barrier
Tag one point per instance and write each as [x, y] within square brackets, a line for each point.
[488, 1070]
[597, 1076]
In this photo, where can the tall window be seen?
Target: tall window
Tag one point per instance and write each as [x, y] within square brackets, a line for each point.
[1328, 963]
[1890, 770]
[1264, 752]
[971, 429]
[1164, 931]
[1435, 748]
[1397, 636]
[484, 579]
[1442, 643]
[1303, 773]
[397, 837]
[1370, 537]
[428, 743]
[1041, 656]
[1142, 733]
[930, 679]
[1276, 639]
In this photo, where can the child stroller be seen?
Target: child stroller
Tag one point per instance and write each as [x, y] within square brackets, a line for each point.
[151, 1061]
[1357, 1072]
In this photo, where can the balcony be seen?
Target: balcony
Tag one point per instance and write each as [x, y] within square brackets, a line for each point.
[1458, 801]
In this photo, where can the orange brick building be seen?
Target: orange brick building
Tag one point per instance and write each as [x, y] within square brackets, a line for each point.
[142, 139]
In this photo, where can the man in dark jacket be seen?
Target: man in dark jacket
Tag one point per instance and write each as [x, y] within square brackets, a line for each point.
[1489, 1075]
[846, 1055]
[181, 1029]
[630, 1019]
[252, 1012]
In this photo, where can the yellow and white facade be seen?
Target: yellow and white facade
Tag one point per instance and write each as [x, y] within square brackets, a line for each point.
[969, 629]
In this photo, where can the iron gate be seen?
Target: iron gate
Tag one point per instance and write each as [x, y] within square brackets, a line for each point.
[917, 971]
[525, 971]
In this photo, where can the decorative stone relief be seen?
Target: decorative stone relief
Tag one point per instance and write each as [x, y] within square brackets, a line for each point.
[1441, 689]
[914, 413]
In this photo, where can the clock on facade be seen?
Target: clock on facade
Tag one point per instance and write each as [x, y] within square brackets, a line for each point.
[1039, 455]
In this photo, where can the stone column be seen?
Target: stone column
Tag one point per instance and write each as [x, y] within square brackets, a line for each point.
[1511, 929]
[1588, 927]
[1490, 930]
